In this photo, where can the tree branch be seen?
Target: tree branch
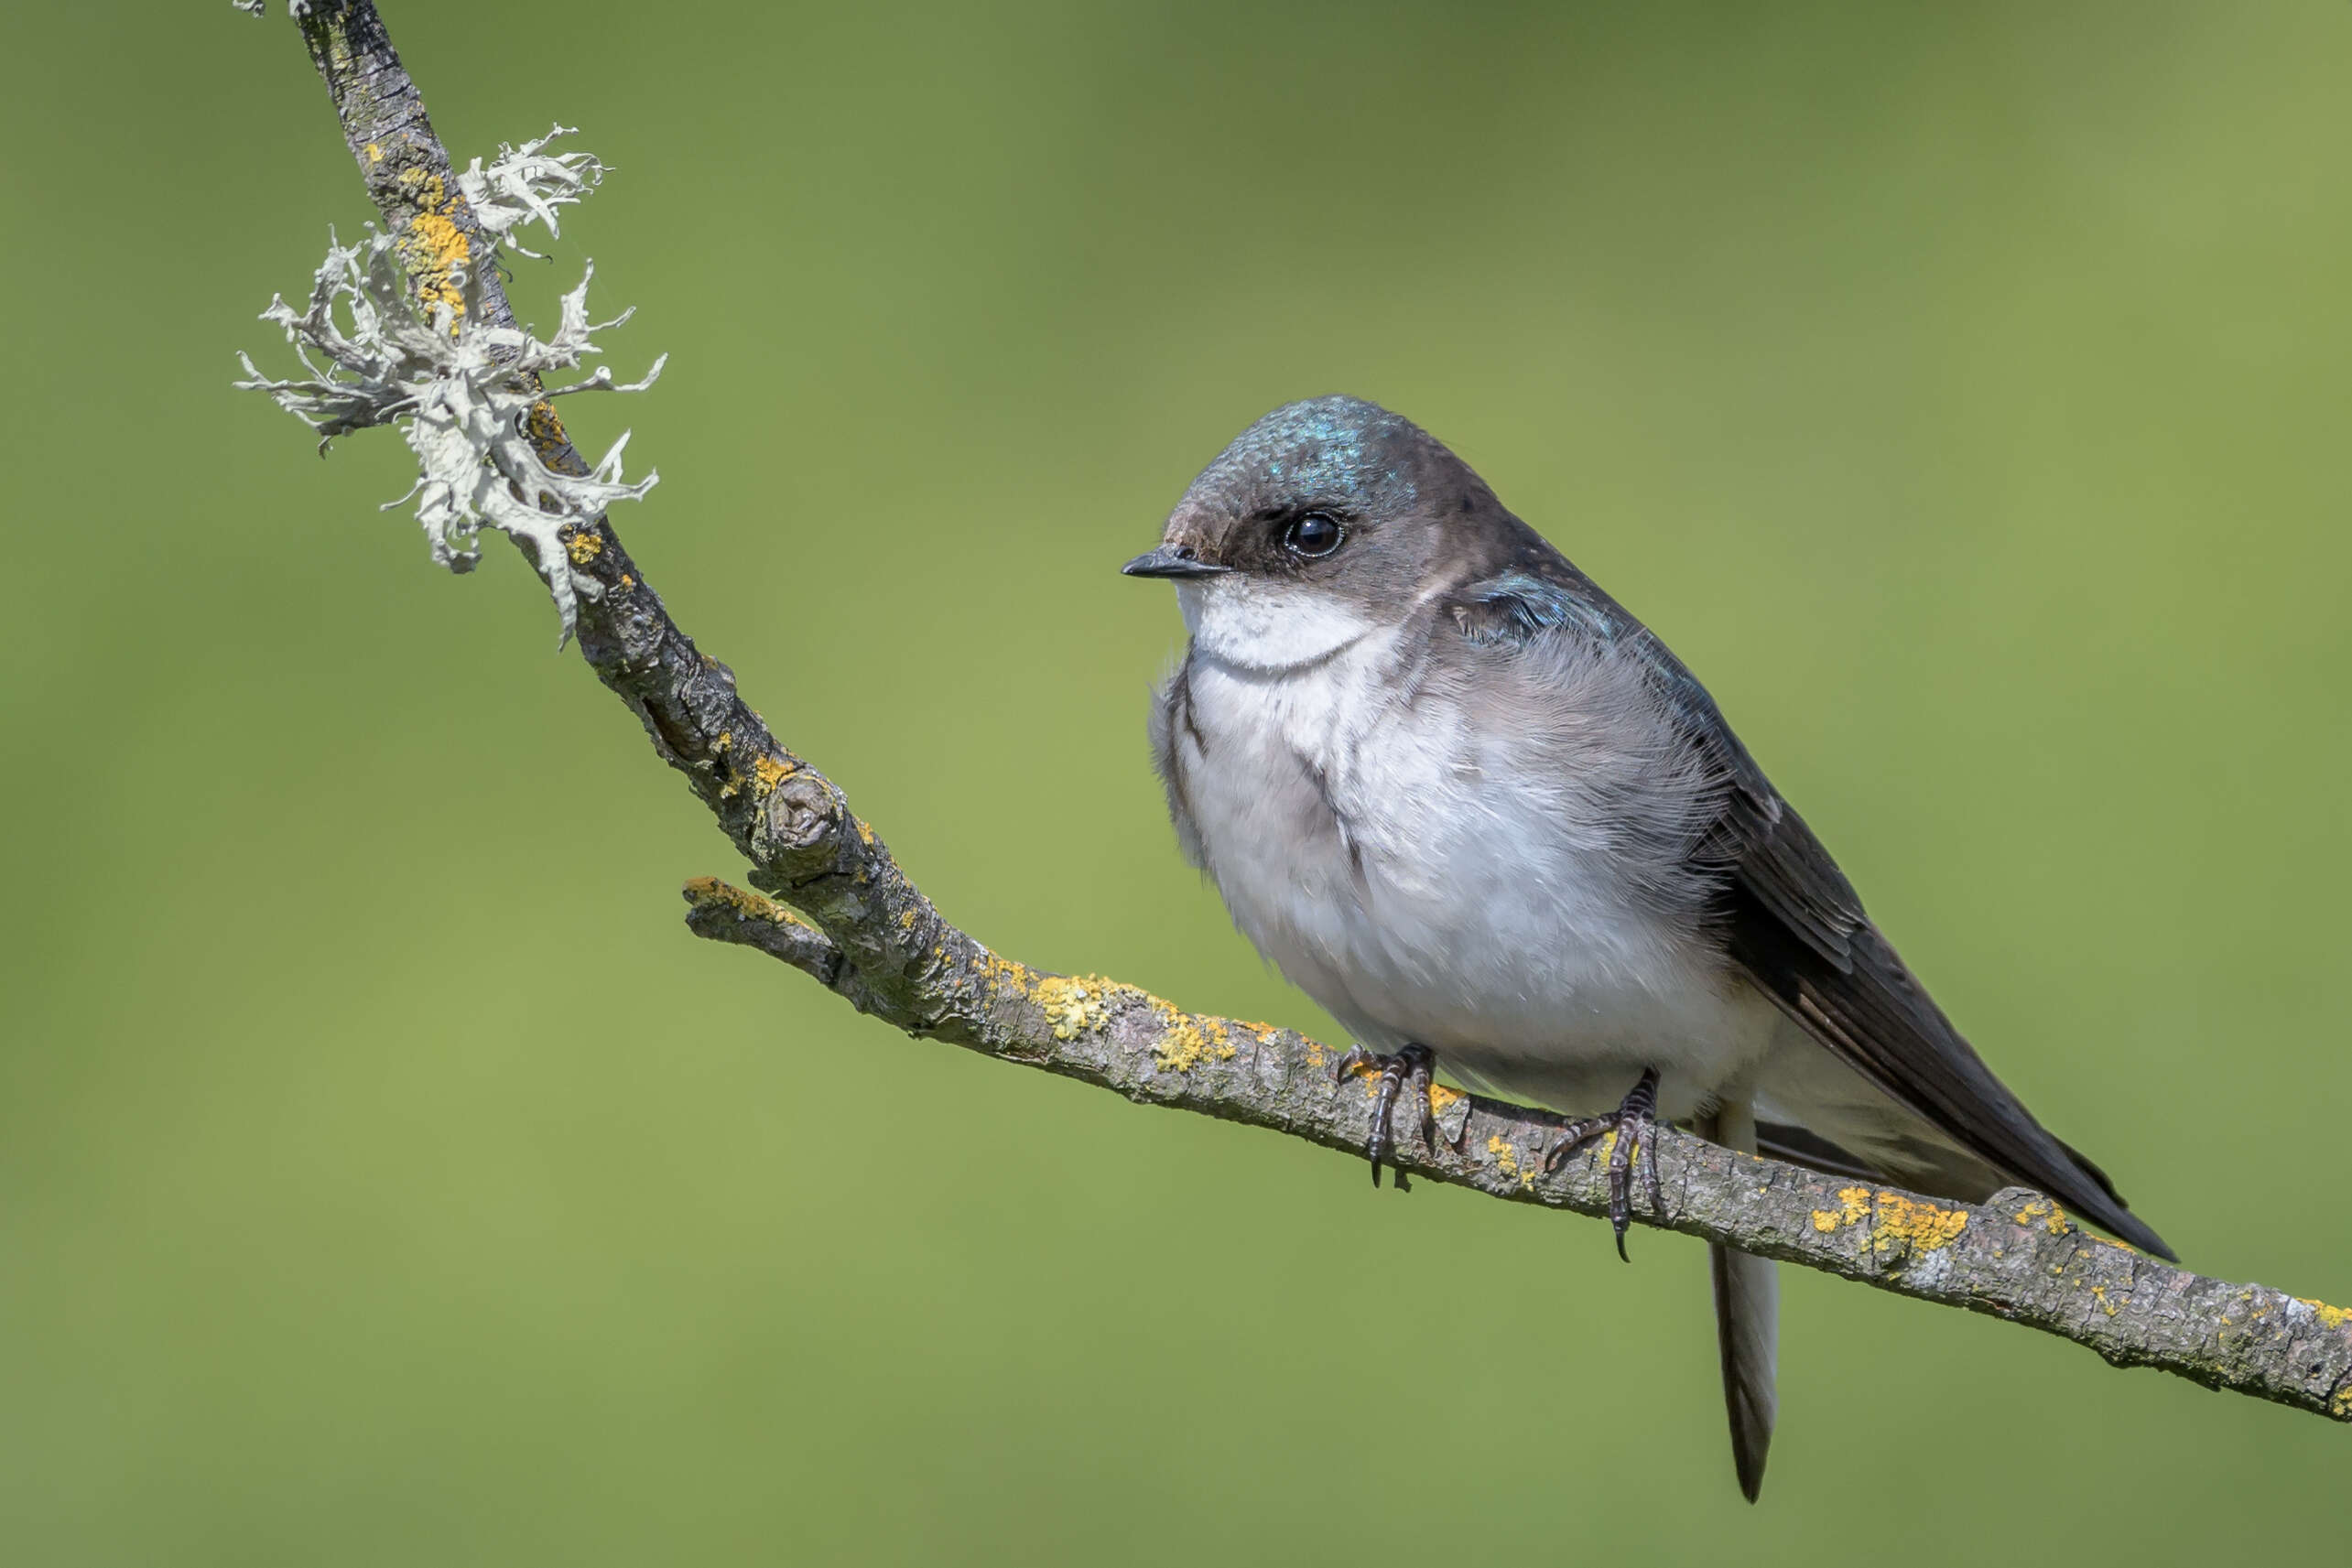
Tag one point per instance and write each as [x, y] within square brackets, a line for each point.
[861, 928]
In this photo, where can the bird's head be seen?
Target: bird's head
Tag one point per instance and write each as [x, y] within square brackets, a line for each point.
[1323, 522]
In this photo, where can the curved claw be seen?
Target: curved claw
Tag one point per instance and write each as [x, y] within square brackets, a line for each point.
[1635, 1123]
[1413, 1066]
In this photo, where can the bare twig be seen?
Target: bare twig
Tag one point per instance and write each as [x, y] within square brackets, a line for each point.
[861, 928]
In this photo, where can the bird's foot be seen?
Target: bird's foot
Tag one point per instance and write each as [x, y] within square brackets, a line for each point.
[1635, 1122]
[1411, 1065]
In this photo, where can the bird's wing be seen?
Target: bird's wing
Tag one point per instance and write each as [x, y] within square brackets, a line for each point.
[1795, 924]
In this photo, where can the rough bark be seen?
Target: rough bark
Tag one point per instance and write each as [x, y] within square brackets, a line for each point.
[857, 926]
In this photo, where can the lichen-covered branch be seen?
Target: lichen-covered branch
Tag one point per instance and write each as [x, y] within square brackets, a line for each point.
[2016, 1256]
[845, 913]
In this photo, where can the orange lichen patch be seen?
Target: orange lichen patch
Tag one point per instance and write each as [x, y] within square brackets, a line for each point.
[1897, 1222]
[1921, 1227]
[1072, 1005]
[2329, 1317]
[444, 242]
[435, 247]
[1079, 1004]
[583, 547]
[726, 738]
[1853, 1203]
[864, 832]
[767, 773]
[440, 249]
[1370, 1072]
[710, 892]
[545, 427]
[375, 153]
[1441, 1098]
[906, 921]
[1182, 1046]
[2052, 1217]
[2099, 1293]
[1507, 1161]
[997, 976]
[627, 581]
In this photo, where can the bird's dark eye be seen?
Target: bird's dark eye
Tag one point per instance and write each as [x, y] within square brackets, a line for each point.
[1316, 534]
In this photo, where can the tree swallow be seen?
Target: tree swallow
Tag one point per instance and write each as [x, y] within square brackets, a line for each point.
[1482, 815]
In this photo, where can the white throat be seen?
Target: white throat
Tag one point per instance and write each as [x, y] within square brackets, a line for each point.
[1259, 624]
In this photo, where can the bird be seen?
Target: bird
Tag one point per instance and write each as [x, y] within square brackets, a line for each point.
[1486, 819]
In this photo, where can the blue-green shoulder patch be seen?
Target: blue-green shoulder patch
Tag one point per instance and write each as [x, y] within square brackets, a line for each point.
[1517, 607]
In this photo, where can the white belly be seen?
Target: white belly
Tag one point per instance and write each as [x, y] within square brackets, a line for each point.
[1430, 880]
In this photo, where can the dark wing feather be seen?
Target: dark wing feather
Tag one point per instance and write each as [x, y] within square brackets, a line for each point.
[1803, 1146]
[1853, 993]
[1795, 924]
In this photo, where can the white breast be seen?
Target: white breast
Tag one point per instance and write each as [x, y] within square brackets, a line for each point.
[1468, 870]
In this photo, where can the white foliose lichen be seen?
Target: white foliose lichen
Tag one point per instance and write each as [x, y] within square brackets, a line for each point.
[526, 184]
[458, 386]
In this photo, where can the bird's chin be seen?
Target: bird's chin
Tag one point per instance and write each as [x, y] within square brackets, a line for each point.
[1262, 624]
[1192, 599]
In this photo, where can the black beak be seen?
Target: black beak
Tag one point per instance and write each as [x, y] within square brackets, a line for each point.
[1172, 561]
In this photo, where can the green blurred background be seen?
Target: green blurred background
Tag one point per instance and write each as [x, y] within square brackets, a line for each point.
[386, 1178]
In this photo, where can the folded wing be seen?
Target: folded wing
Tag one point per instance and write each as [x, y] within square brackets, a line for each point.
[1792, 922]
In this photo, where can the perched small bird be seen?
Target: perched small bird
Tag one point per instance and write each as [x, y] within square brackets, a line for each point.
[1480, 813]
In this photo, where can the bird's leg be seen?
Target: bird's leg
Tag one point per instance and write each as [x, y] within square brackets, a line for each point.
[1411, 1066]
[1635, 1122]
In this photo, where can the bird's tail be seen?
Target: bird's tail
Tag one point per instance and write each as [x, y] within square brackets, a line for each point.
[1747, 1326]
